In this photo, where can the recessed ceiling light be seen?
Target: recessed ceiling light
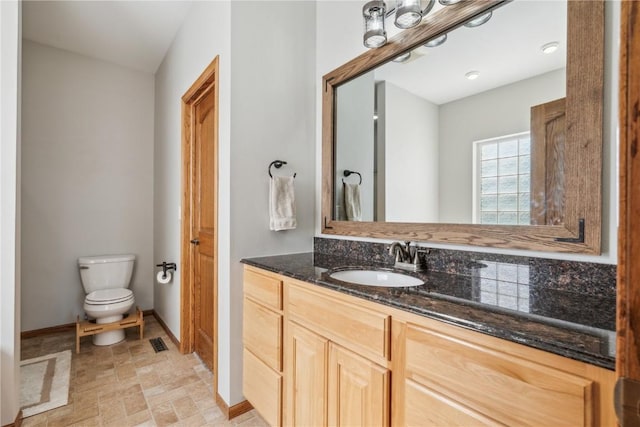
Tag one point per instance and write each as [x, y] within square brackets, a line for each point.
[402, 58]
[476, 22]
[437, 41]
[472, 75]
[549, 47]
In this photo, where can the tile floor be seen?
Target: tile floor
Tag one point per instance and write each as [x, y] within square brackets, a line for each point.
[128, 384]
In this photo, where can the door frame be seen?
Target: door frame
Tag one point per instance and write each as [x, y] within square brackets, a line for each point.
[206, 82]
[628, 287]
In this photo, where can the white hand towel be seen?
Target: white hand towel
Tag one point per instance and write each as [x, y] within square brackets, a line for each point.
[352, 202]
[282, 203]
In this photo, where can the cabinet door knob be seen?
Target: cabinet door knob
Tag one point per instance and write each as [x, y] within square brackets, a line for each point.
[195, 241]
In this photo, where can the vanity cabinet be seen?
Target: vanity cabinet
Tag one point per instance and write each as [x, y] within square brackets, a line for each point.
[262, 341]
[339, 352]
[452, 376]
[336, 361]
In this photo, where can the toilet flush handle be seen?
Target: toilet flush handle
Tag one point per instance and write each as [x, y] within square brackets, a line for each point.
[84, 267]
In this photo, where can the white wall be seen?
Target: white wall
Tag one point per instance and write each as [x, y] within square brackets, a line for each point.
[411, 156]
[498, 112]
[265, 112]
[272, 117]
[87, 132]
[203, 36]
[339, 39]
[10, 41]
[355, 136]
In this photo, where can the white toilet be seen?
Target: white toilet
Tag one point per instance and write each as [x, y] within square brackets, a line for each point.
[105, 280]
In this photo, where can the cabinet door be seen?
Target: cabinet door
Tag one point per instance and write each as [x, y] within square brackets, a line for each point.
[358, 392]
[306, 385]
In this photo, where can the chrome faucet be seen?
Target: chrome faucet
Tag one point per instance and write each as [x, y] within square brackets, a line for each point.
[407, 257]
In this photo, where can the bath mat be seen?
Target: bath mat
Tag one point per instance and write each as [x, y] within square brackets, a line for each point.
[45, 382]
[158, 344]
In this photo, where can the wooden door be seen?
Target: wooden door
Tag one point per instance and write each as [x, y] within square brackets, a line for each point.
[628, 309]
[358, 393]
[204, 223]
[306, 368]
[548, 135]
[200, 218]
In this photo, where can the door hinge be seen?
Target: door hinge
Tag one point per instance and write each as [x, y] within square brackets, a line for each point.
[626, 401]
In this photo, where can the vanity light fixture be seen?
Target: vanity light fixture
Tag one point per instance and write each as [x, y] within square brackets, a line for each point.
[402, 58]
[437, 41]
[374, 33]
[476, 22]
[549, 47]
[472, 75]
[409, 13]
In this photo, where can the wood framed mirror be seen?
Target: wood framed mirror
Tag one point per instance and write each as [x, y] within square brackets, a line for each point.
[566, 146]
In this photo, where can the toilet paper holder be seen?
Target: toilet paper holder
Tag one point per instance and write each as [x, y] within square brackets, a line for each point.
[166, 266]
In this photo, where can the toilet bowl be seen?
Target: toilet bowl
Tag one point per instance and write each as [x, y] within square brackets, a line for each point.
[105, 280]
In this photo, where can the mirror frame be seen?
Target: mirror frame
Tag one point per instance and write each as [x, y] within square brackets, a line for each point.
[581, 230]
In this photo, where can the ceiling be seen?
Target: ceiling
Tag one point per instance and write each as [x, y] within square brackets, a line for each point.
[133, 34]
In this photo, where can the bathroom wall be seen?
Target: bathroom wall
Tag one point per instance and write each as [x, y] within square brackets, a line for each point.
[272, 117]
[339, 39]
[266, 113]
[410, 156]
[498, 112]
[10, 45]
[87, 170]
[355, 136]
[204, 35]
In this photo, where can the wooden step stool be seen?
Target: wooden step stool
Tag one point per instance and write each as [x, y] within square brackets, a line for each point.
[86, 328]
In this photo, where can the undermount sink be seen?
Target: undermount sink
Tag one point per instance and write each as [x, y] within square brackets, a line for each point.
[383, 278]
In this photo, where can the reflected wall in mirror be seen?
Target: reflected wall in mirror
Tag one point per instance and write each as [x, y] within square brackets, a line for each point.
[509, 159]
[434, 146]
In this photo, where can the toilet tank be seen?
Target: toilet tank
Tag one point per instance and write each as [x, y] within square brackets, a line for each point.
[105, 271]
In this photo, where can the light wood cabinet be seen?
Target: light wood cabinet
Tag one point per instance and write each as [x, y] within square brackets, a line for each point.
[341, 360]
[306, 385]
[358, 392]
[464, 378]
[262, 331]
[331, 351]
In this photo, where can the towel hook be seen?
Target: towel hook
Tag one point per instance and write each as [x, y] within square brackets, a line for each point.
[278, 164]
[347, 173]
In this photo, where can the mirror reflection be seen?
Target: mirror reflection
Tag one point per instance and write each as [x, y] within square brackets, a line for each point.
[467, 131]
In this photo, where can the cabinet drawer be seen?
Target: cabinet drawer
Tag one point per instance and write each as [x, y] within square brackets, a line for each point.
[365, 331]
[509, 389]
[263, 288]
[262, 333]
[262, 387]
[426, 407]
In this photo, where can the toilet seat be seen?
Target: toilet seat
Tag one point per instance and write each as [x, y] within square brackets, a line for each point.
[109, 296]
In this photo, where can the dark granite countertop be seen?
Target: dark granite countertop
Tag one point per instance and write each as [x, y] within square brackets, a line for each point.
[581, 327]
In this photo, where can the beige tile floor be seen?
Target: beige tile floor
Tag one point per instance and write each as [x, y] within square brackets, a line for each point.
[128, 384]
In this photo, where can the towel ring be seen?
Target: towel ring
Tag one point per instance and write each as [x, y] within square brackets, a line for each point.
[278, 164]
[347, 173]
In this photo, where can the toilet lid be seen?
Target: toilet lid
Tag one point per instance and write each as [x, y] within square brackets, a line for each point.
[109, 296]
